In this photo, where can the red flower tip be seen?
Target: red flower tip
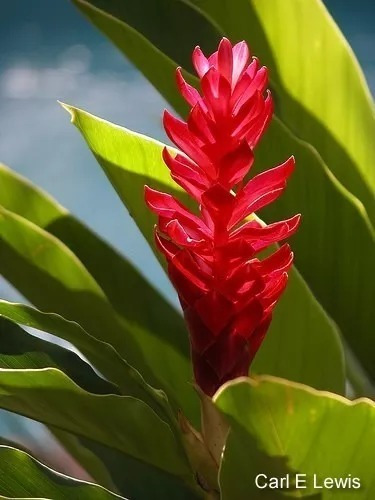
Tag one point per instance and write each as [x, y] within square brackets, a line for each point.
[226, 292]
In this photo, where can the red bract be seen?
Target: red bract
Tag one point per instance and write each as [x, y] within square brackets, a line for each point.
[227, 293]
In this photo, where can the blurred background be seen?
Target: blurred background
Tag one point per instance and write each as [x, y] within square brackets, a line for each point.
[49, 52]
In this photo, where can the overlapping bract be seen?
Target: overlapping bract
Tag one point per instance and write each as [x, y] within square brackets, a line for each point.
[226, 292]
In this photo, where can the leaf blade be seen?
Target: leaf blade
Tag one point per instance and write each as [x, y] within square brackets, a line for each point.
[22, 476]
[130, 159]
[338, 120]
[120, 422]
[154, 327]
[300, 427]
[102, 355]
[317, 271]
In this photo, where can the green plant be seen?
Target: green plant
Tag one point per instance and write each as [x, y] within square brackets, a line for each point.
[132, 422]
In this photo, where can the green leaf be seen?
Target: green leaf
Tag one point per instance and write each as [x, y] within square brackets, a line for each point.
[88, 462]
[100, 354]
[131, 31]
[20, 350]
[127, 26]
[126, 289]
[85, 457]
[322, 97]
[137, 480]
[153, 325]
[294, 426]
[293, 346]
[120, 422]
[47, 273]
[50, 275]
[336, 271]
[21, 476]
[131, 478]
[130, 159]
[281, 33]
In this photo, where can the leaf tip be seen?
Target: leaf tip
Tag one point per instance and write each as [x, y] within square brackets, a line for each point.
[69, 109]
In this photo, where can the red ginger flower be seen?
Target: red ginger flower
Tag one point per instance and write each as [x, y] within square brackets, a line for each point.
[226, 293]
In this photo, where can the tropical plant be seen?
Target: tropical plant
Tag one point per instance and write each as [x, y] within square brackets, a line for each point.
[143, 417]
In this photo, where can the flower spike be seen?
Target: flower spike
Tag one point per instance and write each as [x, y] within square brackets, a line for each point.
[226, 292]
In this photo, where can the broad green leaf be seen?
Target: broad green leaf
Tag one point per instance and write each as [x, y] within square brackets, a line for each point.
[336, 118]
[52, 277]
[127, 26]
[19, 350]
[131, 160]
[128, 477]
[47, 273]
[22, 476]
[335, 270]
[124, 475]
[361, 384]
[158, 328]
[127, 290]
[307, 431]
[131, 478]
[120, 422]
[137, 480]
[320, 90]
[293, 347]
[88, 460]
[81, 454]
[100, 354]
